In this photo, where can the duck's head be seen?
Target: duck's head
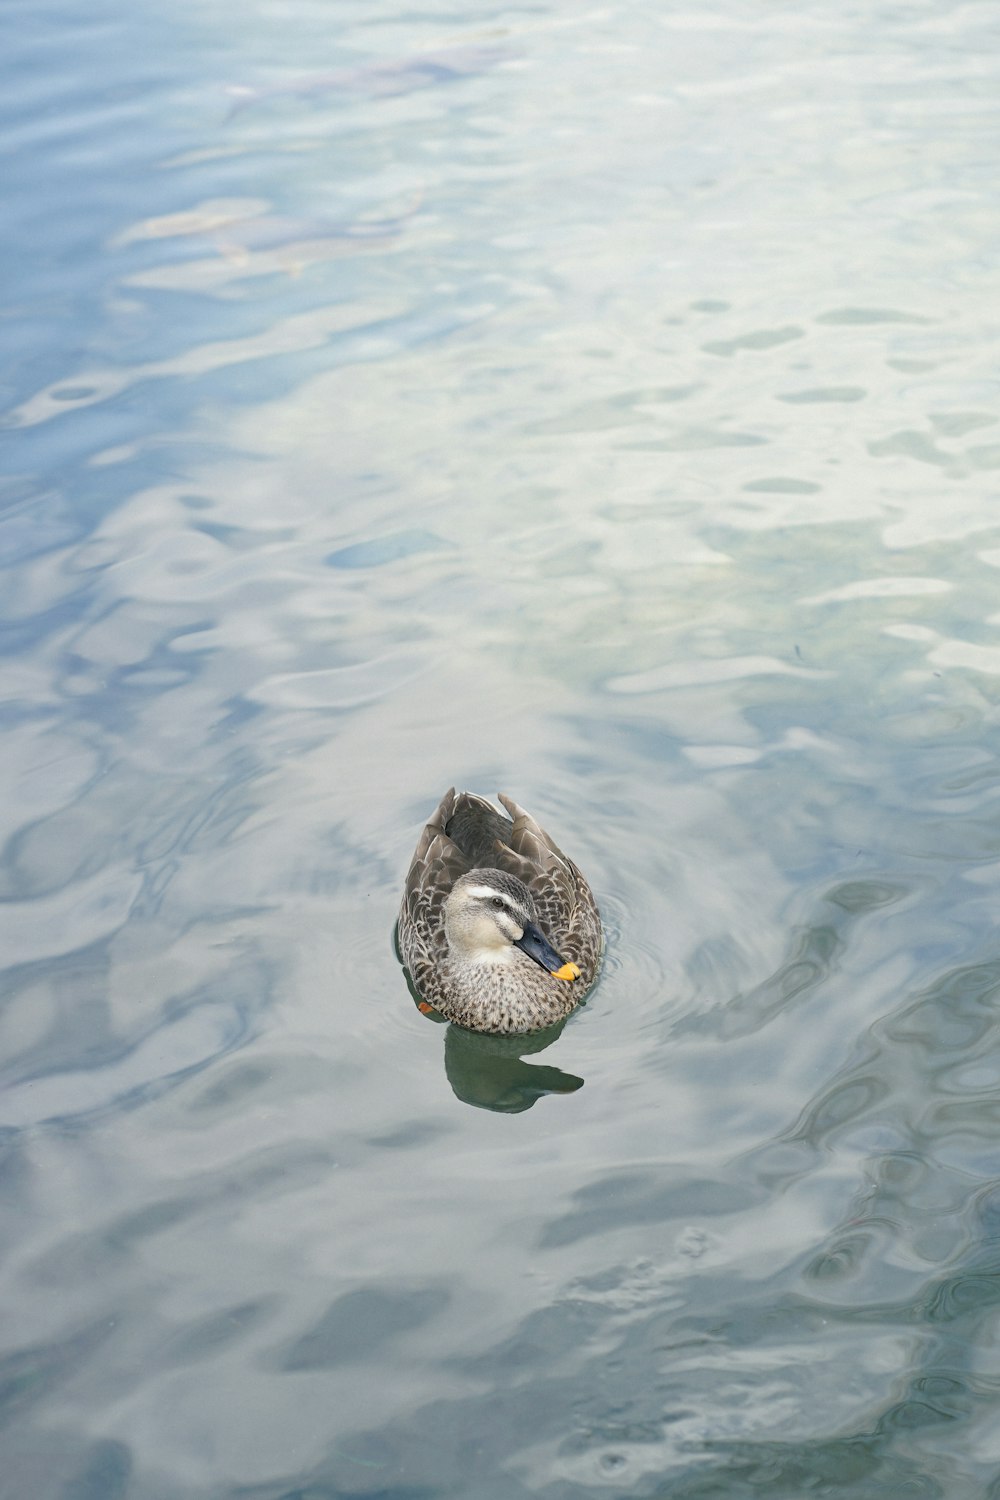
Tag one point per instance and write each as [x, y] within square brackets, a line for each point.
[488, 914]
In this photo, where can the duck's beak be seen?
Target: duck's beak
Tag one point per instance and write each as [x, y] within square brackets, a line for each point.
[536, 946]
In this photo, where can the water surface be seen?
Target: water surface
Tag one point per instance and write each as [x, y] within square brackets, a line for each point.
[595, 405]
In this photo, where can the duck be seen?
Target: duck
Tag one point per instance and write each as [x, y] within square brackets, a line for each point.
[498, 929]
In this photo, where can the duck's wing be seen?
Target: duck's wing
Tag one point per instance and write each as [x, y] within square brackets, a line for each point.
[436, 864]
[567, 911]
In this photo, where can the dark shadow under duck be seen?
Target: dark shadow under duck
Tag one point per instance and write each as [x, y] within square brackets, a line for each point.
[498, 929]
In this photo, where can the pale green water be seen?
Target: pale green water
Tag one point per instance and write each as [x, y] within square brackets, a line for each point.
[601, 405]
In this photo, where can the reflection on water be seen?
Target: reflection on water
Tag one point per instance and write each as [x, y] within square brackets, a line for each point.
[489, 1071]
[396, 75]
[595, 402]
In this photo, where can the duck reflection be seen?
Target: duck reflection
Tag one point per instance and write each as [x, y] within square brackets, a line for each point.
[490, 1071]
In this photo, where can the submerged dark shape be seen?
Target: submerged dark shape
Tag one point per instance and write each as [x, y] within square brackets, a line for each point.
[498, 929]
[400, 75]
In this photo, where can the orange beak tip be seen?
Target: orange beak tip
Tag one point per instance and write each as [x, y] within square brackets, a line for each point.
[568, 972]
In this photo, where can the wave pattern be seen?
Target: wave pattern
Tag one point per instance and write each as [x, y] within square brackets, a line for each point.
[597, 404]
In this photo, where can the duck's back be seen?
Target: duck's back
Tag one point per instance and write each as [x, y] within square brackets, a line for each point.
[476, 827]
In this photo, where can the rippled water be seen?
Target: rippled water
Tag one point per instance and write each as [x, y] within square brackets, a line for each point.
[596, 404]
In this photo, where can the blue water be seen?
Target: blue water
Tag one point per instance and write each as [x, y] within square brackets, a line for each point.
[596, 404]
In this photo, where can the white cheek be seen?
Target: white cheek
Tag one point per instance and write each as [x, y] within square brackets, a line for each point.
[486, 934]
[491, 944]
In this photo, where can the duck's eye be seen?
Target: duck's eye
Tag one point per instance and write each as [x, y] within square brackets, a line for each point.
[498, 903]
